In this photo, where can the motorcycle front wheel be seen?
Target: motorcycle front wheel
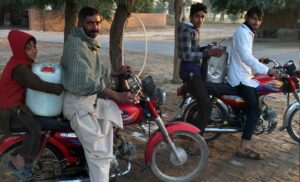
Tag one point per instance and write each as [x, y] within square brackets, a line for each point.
[193, 156]
[294, 125]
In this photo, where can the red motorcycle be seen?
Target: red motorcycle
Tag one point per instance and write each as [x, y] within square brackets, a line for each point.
[228, 114]
[174, 152]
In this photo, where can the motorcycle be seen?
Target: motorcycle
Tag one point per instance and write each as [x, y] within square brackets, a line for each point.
[174, 152]
[228, 114]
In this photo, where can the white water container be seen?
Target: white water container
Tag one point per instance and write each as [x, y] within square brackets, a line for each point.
[41, 103]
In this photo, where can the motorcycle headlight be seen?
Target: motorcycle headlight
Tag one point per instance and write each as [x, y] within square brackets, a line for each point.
[160, 94]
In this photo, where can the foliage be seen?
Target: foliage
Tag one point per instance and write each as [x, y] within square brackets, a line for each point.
[143, 6]
[237, 6]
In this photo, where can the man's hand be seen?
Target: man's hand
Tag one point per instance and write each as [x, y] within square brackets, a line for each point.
[121, 97]
[126, 97]
[121, 71]
[59, 89]
[261, 60]
[264, 60]
[215, 52]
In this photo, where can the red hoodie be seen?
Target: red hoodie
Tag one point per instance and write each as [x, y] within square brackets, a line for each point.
[11, 92]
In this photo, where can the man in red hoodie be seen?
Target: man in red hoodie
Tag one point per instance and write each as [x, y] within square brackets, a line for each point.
[16, 77]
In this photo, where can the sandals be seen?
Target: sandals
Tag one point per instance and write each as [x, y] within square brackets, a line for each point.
[23, 173]
[250, 154]
[193, 149]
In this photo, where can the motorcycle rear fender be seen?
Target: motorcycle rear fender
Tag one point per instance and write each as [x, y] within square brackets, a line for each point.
[288, 113]
[157, 136]
[12, 140]
[183, 106]
[188, 101]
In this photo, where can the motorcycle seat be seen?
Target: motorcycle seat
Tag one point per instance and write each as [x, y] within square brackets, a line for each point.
[47, 123]
[217, 89]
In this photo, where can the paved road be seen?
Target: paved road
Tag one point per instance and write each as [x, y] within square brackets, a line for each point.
[162, 42]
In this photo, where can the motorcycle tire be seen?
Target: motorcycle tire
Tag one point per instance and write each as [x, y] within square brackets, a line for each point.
[190, 114]
[166, 167]
[37, 174]
[295, 136]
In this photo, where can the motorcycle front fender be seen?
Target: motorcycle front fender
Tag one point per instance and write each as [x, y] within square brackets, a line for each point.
[157, 136]
[288, 113]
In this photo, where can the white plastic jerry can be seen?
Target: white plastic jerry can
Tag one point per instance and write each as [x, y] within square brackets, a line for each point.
[41, 103]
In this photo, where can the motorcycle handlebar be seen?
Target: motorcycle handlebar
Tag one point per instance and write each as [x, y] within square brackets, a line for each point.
[268, 60]
[126, 75]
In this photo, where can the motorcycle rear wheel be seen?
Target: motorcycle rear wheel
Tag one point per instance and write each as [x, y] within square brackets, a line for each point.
[191, 113]
[193, 152]
[47, 167]
[294, 126]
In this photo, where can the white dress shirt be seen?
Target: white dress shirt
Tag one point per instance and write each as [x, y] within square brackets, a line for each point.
[242, 64]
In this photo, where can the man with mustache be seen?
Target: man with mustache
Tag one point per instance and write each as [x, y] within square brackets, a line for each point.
[88, 104]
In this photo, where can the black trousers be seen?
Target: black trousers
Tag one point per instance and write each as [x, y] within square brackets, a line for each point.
[197, 88]
[22, 117]
[253, 110]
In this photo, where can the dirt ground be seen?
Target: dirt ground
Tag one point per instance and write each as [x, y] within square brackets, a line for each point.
[282, 153]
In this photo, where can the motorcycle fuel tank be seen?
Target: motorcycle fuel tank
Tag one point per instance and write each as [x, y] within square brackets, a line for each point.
[269, 84]
[131, 114]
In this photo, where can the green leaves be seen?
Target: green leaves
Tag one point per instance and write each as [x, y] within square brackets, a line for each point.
[236, 6]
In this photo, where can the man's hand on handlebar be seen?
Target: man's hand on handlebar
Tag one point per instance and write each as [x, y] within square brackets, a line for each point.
[127, 97]
[265, 60]
[123, 70]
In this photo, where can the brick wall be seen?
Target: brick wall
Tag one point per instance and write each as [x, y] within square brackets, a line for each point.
[54, 20]
[149, 20]
[273, 22]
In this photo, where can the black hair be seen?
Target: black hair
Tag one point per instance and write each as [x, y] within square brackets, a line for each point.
[255, 10]
[29, 40]
[197, 7]
[87, 11]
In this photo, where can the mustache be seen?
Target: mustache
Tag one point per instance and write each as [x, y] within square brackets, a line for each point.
[94, 31]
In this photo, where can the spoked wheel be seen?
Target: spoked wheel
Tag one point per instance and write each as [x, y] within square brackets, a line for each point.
[193, 157]
[48, 167]
[294, 125]
[217, 114]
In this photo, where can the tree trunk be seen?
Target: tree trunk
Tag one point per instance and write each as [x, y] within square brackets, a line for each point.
[298, 25]
[116, 35]
[214, 18]
[71, 11]
[222, 17]
[179, 7]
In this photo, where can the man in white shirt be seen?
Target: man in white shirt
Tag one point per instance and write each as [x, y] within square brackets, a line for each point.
[242, 65]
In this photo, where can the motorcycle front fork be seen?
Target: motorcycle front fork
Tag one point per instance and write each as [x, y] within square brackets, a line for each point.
[167, 137]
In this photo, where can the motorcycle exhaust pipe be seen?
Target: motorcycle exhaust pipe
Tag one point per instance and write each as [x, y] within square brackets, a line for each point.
[87, 179]
[222, 130]
[126, 171]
